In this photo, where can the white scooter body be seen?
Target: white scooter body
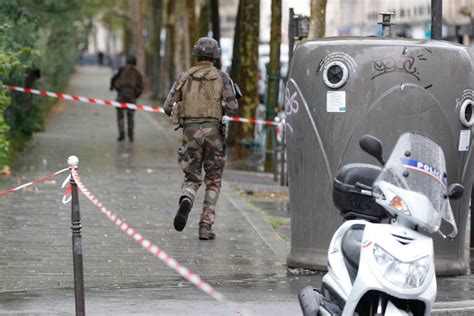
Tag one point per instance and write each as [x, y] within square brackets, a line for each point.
[369, 277]
[380, 268]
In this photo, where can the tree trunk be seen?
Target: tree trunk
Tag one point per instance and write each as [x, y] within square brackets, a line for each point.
[204, 18]
[168, 69]
[234, 73]
[127, 38]
[216, 26]
[273, 76]
[317, 21]
[182, 36]
[248, 70]
[157, 24]
[138, 41]
[192, 27]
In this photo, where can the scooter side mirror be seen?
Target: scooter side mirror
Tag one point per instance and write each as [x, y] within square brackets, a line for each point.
[372, 146]
[455, 191]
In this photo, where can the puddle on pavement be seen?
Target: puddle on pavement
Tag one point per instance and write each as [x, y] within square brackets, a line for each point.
[9, 297]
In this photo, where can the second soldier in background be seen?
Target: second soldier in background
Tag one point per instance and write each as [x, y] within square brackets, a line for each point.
[129, 84]
[200, 97]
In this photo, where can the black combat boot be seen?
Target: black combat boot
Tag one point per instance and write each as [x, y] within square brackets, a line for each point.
[181, 217]
[205, 232]
[121, 137]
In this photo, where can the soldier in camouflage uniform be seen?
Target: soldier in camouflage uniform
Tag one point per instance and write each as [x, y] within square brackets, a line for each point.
[204, 94]
[129, 84]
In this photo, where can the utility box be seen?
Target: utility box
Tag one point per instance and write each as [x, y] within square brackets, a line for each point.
[344, 87]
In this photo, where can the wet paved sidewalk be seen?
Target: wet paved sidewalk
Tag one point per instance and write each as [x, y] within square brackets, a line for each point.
[140, 182]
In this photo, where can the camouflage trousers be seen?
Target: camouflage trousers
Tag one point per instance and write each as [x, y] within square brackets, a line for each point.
[203, 147]
[121, 122]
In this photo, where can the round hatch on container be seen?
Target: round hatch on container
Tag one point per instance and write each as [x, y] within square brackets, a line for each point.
[465, 113]
[335, 74]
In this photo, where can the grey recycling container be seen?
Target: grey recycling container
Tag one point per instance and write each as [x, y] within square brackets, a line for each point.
[344, 87]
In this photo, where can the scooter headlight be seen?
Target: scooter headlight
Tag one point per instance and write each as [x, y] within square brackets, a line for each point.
[403, 274]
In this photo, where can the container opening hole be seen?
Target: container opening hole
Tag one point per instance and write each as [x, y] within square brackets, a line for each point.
[335, 74]
[468, 112]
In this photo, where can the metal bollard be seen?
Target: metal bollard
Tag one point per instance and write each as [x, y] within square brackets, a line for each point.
[471, 239]
[283, 180]
[76, 227]
[274, 154]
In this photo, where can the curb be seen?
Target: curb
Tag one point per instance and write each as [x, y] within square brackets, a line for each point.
[453, 308]
[279, 246]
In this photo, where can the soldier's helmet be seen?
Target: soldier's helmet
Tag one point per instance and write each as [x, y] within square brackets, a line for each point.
[207, 47]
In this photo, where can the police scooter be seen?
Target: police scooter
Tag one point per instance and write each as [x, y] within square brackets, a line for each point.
[379, 263]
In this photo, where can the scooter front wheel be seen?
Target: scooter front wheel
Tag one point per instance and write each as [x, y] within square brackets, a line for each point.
[382, 306]
[310, 301]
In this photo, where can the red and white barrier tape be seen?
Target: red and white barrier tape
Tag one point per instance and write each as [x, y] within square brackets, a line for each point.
[67, 193]
[33, 182]
[252, 121]
[123, 105]
[148, 245]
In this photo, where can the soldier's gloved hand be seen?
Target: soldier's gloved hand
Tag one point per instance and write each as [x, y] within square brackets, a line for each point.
[168, 112]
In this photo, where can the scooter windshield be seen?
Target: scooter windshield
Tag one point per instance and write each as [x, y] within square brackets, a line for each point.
[413, 183]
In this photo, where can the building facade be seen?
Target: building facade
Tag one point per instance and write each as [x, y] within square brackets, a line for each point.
[412, 19]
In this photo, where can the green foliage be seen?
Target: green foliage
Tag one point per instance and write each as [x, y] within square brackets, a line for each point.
[42, 34]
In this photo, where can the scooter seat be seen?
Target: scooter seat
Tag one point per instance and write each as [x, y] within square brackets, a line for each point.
[350, 245]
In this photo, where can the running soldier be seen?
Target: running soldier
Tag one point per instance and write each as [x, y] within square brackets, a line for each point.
[129, 84]
[200, 97]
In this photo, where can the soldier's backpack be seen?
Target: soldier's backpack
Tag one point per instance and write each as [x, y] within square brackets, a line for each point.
[202, 93]
[128, 83]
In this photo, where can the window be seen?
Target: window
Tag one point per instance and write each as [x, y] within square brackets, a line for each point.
[421, 10]
[402, 13]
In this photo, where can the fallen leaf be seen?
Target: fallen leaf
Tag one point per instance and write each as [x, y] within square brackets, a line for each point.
[6, 171]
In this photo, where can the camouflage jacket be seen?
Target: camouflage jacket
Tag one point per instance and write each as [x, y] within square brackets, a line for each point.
[228, 97]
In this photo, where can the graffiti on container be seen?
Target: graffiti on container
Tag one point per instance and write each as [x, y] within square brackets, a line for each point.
[405, 64]
[291, 106]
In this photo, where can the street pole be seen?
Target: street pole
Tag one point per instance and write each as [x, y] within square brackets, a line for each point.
[77, 243]
[436, 19]
[291, 35]
[274, 153]
[216, 32]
